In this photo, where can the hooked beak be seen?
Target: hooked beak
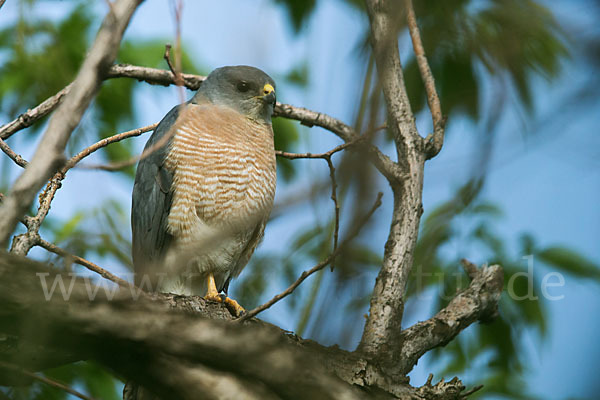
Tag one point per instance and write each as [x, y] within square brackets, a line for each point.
[269, 94]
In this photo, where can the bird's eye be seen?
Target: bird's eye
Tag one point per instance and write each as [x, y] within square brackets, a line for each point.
[242, 86]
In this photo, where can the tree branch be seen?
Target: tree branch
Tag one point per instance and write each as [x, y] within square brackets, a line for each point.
[49, 154]
[143, 336]
[164, 77]
[31, 116]
[20, 161]
[174, 352]
[43, 379]
[381, 335]
[479, 302]
[83, 262]
[434, 142]
[153, 76]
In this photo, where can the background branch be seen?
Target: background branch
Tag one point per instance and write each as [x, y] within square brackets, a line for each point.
[317, 267]
[43, 379]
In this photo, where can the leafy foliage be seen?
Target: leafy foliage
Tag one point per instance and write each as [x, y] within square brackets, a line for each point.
[298, 11]
[498, 345]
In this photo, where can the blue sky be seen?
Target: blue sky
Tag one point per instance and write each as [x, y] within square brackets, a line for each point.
[544, 175]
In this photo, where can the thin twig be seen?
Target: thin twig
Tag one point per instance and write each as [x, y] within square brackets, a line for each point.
[83, 262]
[2, 3]
[327, 157]
[131, 161]
[435, 141]
[470, 391]
[47, 381]
[295, 156]
[177, 79]
[20, 161]
[31, 116]
[318, 267]
[336, 207]
[105, 142]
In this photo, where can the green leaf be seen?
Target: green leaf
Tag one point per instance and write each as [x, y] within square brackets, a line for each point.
[298, 75]
[298, 11]
[570, 261]
[68, 228]
[286, 135]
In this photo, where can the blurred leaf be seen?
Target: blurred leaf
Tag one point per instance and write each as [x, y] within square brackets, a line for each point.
[298, 11]
[298, 75]
[570, 261]
[68, 228]
[254, 280]
[286, 135]
[39, 60]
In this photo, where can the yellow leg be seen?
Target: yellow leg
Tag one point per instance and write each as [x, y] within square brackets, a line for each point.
[213, 294]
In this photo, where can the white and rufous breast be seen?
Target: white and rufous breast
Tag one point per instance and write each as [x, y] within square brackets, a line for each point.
[224, 171]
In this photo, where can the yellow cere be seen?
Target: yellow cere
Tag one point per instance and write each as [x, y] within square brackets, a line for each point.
[268, 88]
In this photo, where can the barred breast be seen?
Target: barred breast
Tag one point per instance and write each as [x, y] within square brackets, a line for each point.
[224, 184]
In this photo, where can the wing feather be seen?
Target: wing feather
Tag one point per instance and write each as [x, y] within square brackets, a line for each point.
[151, 201]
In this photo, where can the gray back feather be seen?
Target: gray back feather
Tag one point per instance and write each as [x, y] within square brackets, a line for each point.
[151, 202]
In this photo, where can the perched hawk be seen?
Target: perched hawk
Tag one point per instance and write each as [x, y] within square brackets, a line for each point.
[203, 193]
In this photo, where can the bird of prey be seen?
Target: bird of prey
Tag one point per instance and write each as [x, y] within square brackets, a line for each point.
[205, 186]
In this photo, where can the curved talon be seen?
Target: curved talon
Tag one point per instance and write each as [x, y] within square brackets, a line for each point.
[234, 307]
[213, 297]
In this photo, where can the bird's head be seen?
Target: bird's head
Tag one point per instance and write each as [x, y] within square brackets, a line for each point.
[247, 90]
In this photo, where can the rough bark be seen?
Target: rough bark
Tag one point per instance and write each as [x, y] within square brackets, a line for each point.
[381, 336]
[173, 344]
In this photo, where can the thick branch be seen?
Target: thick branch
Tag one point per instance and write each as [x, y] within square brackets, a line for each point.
[142, 336]
[381, 335]
[478, 302]
[172, 352]
[49, 154]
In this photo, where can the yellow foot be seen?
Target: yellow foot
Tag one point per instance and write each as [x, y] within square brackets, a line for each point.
[212, 294]
[234, 307]
[213, 297]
